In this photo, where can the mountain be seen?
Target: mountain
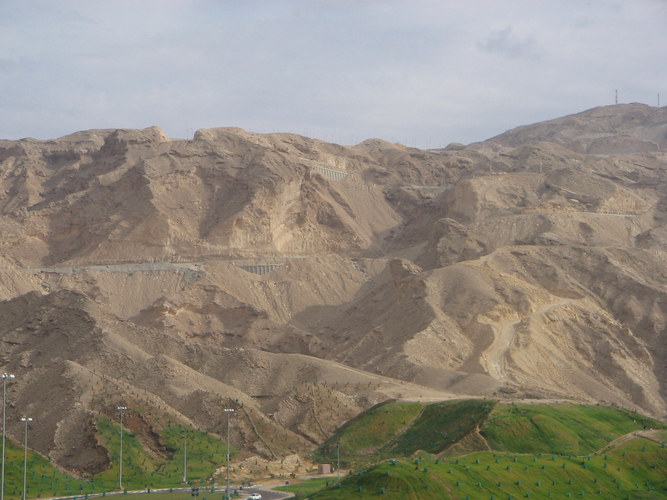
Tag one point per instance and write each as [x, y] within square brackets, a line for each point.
[304, 282]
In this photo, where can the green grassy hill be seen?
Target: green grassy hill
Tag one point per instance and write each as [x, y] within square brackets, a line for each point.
[452, 449]
[564, 429]
[363, 436]
[478, 449]
[205, 454]
[636, 469]
[141, 470]
[400, 429]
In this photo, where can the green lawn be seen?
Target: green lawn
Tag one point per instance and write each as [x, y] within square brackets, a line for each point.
[361, 438]
[140, 470]
[438, 426]
[306, 488]
[537, 449]
[401, 428]
[43, 479]
[565, 429]
[540, 451]
[451, 428]
[637, 468]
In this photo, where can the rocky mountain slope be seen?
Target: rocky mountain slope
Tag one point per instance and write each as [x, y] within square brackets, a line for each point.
[302, 281]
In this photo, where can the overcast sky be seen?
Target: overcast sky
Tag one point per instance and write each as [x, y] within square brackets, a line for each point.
[424, 73]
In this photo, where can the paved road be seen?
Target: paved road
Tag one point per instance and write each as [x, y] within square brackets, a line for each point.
[266, 494]
[244, 493]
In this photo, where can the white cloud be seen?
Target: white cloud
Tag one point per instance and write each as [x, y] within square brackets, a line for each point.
[509, 44]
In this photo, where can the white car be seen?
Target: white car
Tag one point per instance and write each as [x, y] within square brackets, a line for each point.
[255, 496]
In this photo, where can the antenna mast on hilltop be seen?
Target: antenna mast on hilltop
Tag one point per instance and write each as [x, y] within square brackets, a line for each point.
[616, 96]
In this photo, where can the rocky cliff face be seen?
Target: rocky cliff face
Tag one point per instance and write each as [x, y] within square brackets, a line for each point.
[309, 280]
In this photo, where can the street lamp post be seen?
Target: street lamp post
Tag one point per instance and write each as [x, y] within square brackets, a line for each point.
[5, 376]
[25, 453]
[185, 459]
[228, 411]
[121, 409]
[338, 460]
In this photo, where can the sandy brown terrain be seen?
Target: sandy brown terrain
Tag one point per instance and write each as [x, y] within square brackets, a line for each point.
[303, 282]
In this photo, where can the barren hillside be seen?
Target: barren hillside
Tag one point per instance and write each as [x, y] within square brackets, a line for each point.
[305, 281]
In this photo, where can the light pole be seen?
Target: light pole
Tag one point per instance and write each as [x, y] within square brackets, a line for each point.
[338, 460]
[185, 459]
[5, 376]
[228, 411]
[25, 453]
[121, 409]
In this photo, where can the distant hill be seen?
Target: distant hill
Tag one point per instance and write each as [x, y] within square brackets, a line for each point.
[607, 130]
[302, 282]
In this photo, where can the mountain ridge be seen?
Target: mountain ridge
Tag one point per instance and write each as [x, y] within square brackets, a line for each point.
[139, 269]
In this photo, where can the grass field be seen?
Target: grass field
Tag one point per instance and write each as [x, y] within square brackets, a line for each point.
[307, 488]
[140, 470]
[537, 451]
[361, 438]
[637, 469]
[564, 429]
[43, 479]
[399, 429]
[438, 426]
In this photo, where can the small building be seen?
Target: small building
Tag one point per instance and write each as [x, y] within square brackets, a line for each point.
[324, 468]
